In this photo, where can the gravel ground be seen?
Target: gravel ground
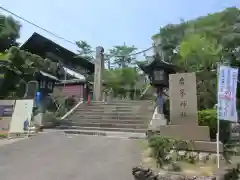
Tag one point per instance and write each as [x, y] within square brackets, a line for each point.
[57, 156]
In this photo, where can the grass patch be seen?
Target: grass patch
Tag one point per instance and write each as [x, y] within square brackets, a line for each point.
[3, 135]
[142, 143]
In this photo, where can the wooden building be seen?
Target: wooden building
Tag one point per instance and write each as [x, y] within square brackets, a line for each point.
[76, 68]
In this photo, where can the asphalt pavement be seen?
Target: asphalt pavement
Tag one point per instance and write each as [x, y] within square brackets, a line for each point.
[57, 156]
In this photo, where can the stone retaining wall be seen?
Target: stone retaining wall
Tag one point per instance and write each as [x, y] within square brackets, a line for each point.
[230, 172]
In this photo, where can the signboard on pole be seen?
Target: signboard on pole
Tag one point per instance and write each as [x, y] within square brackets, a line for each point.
[227, 90]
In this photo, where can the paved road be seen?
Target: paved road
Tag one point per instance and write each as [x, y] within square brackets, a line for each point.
[56, 156]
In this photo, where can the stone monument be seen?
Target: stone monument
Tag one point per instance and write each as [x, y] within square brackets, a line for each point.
[99, 66]
[183, 113]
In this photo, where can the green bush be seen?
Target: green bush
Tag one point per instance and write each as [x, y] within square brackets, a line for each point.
[161, 147]
[70, 102]
[208, 118]
[50, 119]
[2, 136]
[49, 116]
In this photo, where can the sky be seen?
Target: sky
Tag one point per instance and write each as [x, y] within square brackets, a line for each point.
[107, 22]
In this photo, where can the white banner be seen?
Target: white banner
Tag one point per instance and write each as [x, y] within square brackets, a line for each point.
[227, 91]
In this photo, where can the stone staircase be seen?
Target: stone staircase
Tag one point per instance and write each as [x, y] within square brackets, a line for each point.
[115, 116]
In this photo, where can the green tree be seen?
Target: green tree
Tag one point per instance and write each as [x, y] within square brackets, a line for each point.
[9, 32]
[198, 44]
[112, 80]
[85, 50]
[223, 27]
[121, 55]
[122, 81]
[107, 59]
[20, 68]
[199, 53]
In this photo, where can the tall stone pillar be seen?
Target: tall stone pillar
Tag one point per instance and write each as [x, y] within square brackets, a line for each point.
[98, 73]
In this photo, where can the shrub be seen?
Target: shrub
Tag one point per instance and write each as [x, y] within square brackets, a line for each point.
[3, 135]
[70, 102]
[49, 116]
[161, 147]
[208, 118]
[50, 119]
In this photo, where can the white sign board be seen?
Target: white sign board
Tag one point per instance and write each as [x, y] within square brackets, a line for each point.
[227, 91]
[21, 114]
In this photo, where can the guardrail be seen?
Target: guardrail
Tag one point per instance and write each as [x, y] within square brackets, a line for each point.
[71, 110]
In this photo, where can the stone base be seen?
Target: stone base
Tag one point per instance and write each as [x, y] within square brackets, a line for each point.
[199, 146]
[198, 136]
[157, 121]
[202, 146]
[179, 132]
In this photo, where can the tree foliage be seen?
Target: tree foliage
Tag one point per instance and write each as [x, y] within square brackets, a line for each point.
[199, 53]
[9, 32]
[197, 45]
[28, 63]
[222, 27]
[21, 68]
[121, 55]
[122, 81]
[85, 50]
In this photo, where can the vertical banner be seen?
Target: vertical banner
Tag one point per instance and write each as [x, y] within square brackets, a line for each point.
[227, 90]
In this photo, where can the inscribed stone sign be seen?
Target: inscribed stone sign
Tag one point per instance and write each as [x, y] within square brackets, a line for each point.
[183, 98]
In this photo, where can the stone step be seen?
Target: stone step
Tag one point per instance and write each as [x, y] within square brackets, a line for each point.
[107, 110]
[128, 135]
[103, 129]
[118, 113]
[113, 121]
[106, 125]
[109, 107]
[114, 105]
[114, 113]
[121, 102]
[108, 116]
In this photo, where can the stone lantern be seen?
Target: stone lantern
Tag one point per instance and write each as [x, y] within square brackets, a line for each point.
[158, 72]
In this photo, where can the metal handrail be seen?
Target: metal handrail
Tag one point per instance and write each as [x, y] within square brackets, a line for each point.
[71, 110]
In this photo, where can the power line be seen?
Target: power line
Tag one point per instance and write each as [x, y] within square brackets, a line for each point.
[143, 51]
[35, 25]
[66, 40]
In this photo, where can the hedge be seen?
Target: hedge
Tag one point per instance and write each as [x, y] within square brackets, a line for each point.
[208, 118]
